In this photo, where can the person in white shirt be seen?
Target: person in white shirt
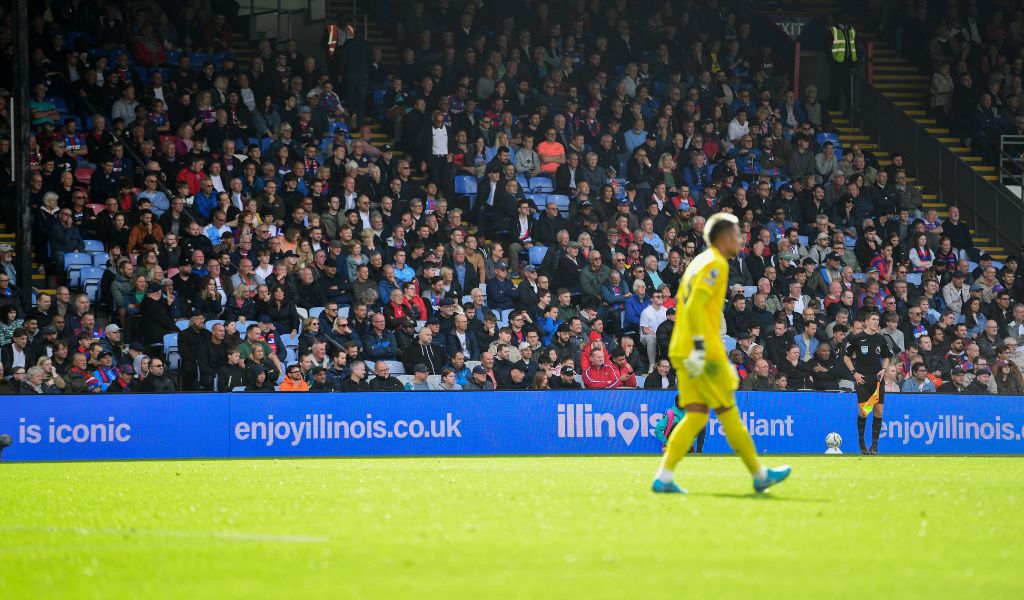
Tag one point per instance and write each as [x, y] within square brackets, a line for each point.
[651, 317]
[739, 126]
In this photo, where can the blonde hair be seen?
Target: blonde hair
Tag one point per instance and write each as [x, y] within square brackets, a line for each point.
[717, 222]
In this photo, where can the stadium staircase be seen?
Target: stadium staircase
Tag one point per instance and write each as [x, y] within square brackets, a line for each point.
[903, 82]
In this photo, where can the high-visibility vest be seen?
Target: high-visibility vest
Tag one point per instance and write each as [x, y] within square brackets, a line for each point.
[844, 44]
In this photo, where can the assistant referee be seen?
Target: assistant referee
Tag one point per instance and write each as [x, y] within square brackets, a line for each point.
[867, 356]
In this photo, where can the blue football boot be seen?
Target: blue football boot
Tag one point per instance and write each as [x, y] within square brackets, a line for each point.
[774, 476]
[660, 487]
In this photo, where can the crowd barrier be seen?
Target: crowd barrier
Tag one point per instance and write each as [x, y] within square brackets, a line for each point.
[164, 426]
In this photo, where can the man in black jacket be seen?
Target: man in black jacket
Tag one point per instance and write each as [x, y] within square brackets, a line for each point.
[158, 379]
[383, 381]
[320, 381]
[192, 346]
[215, 356]
[17, 348]
[356, 380]
[569, 175]
[549, 224]
[566, 380]
[423, 351]
[155, 318]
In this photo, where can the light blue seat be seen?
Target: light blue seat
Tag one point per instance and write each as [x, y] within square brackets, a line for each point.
[542, 185]
[465, 185]
[537, 254]
[562, 201]
[74, 262]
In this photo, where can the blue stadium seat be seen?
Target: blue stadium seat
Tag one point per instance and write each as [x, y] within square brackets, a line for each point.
[803, 240]
[315, 311]
[198, 58]
[74, 262]
[171, 350]
[998, 264]
[539, 200]
[89, 278]
[181, 324]
[99, 259]
[562, 201]
[914, 279]
[212, 322]
[93, 246]
[730, 343]
[523, 182]
[537, 254]
[289, 340]
[59, 103]
[465, 185]
[541, 185]
[749, 290]
[821, 138]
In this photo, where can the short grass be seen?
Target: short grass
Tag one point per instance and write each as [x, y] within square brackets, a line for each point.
[874, 527]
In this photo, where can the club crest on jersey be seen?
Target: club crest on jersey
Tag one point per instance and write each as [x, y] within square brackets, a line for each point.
[712, 276]
[864, 349]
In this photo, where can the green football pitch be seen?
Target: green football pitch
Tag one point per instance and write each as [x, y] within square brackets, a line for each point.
[864, 527]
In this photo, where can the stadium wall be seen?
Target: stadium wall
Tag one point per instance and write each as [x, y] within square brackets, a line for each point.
[241, 425]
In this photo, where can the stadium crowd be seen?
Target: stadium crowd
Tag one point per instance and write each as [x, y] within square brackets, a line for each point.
[214, 226]
[974, 52]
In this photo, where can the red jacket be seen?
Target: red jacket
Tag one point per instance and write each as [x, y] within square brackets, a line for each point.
[601, 378]
[626, 370]
[194, 180]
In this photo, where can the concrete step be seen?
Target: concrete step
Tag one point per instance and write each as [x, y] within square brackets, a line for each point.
[891, 68]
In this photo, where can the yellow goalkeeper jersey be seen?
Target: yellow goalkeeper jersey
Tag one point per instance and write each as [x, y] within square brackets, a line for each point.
[699, 304]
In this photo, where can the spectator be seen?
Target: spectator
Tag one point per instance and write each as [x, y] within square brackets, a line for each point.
[356, 380]
[383, 381]
[760, 379]
[419, 383]
[918, 382]
[600, 376]
[158, 380]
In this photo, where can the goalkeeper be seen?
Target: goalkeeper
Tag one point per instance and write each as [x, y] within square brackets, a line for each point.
[705, 376]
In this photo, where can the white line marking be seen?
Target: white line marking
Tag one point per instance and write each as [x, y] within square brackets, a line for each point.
[238, 536]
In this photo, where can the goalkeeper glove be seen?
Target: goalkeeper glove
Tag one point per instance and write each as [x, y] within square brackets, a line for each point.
[696, 361]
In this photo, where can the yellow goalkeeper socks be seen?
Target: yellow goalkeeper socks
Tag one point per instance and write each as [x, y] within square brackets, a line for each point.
[739, 439]
[681, 439]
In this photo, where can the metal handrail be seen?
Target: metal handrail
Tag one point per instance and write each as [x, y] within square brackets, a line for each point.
[994, 211]
[1011, 160]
